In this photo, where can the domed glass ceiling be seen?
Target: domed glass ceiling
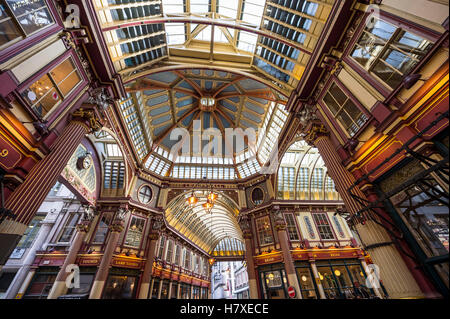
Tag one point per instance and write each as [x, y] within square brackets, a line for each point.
[162, 102]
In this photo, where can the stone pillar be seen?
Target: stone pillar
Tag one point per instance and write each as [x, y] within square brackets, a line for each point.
[148, 269]
[317, 279]
[280, 226]
[368, 272]
[253, 288]
[179, 291]
[59, 286]
[25, 274]
[26, 199]
[102, 273]
[395, 274]
[170, 289]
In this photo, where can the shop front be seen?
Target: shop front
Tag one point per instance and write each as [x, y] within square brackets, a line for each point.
[273, 281]
[185, 291]
[121, 284]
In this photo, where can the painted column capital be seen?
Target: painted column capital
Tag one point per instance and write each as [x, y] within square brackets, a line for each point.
[88, 116]
[313, 131]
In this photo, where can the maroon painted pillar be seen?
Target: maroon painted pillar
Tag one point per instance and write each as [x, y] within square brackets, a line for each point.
[102, 273]
[396, 277]
[147, 274]
[60, 287]
[280, 226]
[26, 199]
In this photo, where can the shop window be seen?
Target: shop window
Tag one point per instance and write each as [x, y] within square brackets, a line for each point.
[69, 228]
[41, 286]
[389, 52]
[85, 285]
[28, 237]
[264, 231]
[165, 290]
[323, 225]
[344, 110]
[19, 19]
[102, 229]
[145, 194]
[6, 279]
[274, 284]
[306, 280]
[155, 288]
[52, 88]
[343, 279]
[185, 291]
[174, 291]
[291, 227]
[135, 231]
[120, 287]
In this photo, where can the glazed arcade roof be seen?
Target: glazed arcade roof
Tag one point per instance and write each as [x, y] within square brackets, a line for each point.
[224, 63]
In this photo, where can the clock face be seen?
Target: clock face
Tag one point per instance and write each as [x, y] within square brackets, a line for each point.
[84, 162]
[87, 161]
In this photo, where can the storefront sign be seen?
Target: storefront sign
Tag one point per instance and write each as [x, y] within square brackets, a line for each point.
[52, 262]
[9, 156]
[124, 263]
[89, 261]
[270, 259]
[334, 254]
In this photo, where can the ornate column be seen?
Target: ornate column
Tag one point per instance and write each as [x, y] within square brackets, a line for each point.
[396, 276]
[23, 277]
[102, 273]
[317, 279]
[147, 274]
[26, 199]
[253, 288]
[280, 226]
[59, 286]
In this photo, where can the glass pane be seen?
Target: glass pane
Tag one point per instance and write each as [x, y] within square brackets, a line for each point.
[69, 83]
[42, 95]
[387, 74]
[331, 103]
[32, 15]
[338, 94]
[8, 30]
[306, 283]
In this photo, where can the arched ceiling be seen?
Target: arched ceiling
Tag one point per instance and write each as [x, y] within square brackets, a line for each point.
[204, 229]
[248, 55]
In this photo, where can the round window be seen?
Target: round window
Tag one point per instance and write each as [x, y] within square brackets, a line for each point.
[257, 196]
[145, 194]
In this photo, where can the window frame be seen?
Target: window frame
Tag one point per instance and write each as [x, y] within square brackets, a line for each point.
[128, 229]
[59, 107]
[398, 22]
[299, 234]
[335, 238]
[63, 228]
[257, 231]
[334, 121]
[18, 45]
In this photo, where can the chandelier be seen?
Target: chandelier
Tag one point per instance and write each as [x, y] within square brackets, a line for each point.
[192, 200]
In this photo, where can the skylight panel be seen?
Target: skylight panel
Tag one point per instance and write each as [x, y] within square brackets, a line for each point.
[175, 33]
[228, 8]
[253, 11]
[247, 41]
[199, 6]
[173, 6]
[205, 35]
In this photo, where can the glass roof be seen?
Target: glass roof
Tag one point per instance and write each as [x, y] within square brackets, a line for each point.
[202, 228]
[302, 175]
[170, 54]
